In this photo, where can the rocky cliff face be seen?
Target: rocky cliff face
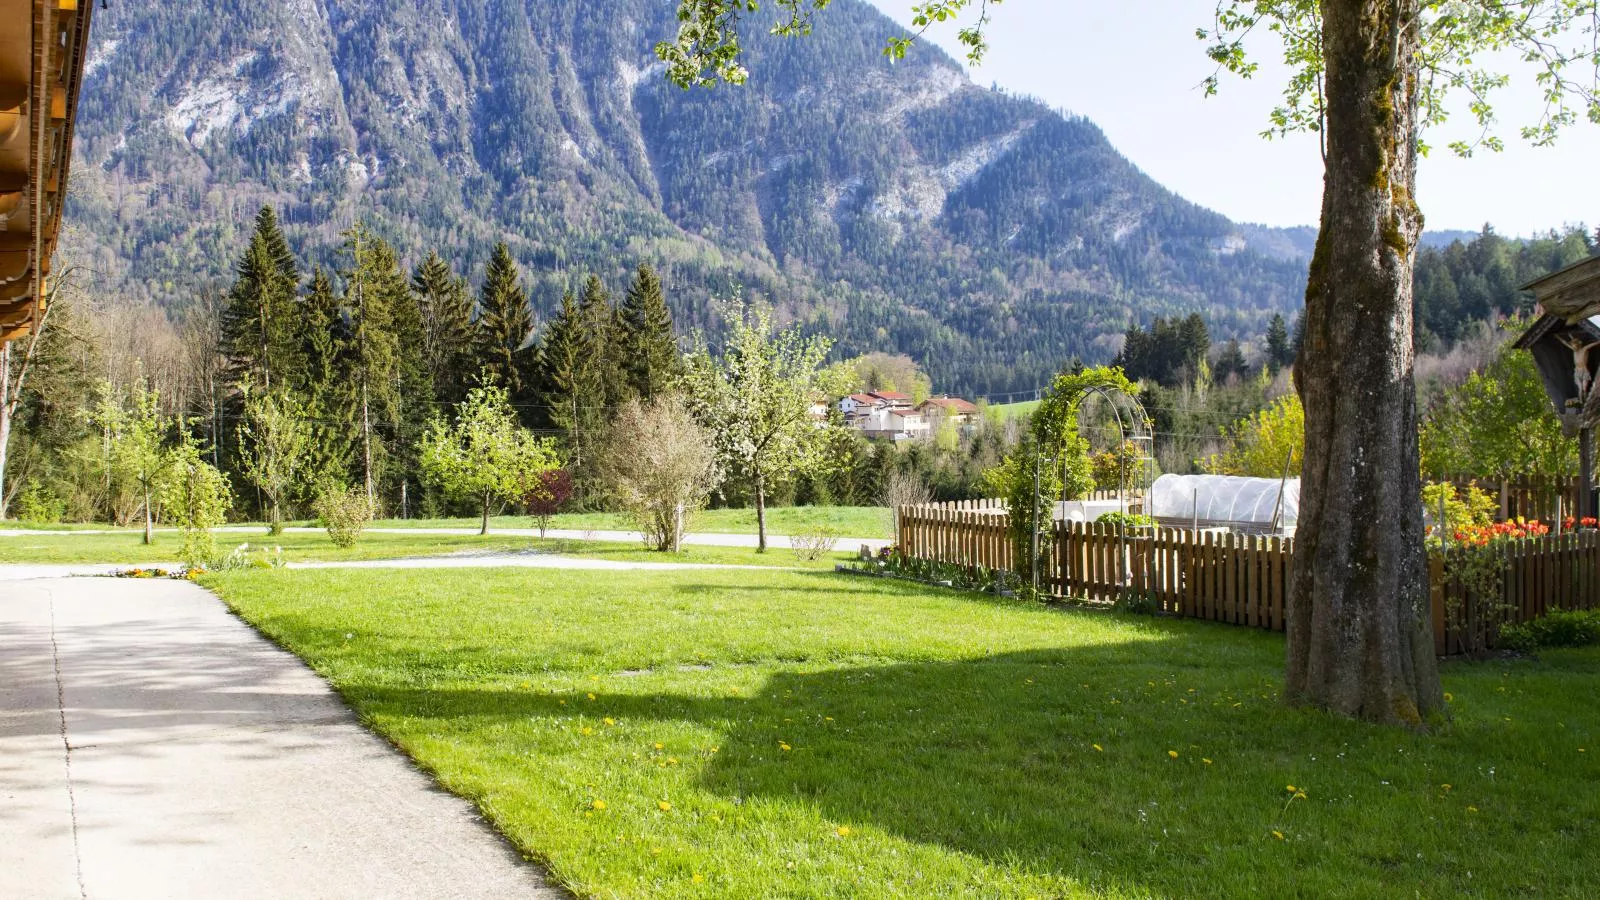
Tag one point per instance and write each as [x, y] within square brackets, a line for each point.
[899, 207]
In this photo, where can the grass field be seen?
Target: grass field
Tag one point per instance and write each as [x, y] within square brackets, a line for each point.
[127, 547]
[766, 734]
[847, 521]
[1019, 410]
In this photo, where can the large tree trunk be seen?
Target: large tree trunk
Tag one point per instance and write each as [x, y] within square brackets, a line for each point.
[1360, 639]
[761, 512]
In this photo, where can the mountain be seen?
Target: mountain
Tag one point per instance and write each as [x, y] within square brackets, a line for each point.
[897, 207]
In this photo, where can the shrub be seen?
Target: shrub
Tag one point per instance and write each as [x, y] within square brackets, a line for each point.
[1462, 506]
[812, 541]
[1126, 520]
[1562, 628]
[662, 465]
[38, 506]
[345, 512]
[551, 490]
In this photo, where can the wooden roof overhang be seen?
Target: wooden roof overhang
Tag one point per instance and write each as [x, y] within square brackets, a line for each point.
[42, 49]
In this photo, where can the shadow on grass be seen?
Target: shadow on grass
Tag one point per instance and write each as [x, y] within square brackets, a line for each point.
[991, 757]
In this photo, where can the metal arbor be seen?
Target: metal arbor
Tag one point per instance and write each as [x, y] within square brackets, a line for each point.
[1109, 419]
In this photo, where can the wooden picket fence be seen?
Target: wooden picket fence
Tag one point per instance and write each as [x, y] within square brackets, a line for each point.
[1244, 579]
[1541, 497]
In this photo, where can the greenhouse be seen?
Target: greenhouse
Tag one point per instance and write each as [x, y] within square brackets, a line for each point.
[1249, 505]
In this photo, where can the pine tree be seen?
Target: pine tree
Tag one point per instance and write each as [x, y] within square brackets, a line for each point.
[258, 318]
[445, 308]
[646, 345]
[1278, 355]
[504, 323]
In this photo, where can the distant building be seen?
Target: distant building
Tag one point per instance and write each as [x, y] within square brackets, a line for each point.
[890, 415]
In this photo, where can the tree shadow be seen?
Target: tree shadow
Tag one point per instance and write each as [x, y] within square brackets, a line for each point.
[1059, 763]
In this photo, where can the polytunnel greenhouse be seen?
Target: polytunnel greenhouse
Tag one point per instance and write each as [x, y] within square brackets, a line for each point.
[1249, 505]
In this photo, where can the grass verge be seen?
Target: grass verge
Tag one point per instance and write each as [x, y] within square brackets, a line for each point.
[759, 734]
[127, 547]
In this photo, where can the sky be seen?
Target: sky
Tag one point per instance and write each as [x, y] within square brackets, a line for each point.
[1134, 68]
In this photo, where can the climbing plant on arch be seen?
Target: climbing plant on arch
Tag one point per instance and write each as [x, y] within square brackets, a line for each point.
[1052, 462]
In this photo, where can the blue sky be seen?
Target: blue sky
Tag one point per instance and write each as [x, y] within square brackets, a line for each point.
[1134, 67]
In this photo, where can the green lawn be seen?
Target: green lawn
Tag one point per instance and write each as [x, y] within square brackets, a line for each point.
[1019, 410]
[764, 734]
[127, 547]
[848, 521]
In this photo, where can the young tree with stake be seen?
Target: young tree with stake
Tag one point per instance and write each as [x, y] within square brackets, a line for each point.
[485, 455]
[756, 398]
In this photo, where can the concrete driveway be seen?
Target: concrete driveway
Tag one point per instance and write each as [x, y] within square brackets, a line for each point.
[152, 745]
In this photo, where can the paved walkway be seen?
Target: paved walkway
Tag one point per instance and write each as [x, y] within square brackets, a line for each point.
[152, 745]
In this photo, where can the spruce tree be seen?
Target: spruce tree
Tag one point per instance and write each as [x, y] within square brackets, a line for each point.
[605, 383]
[258, 317]
[504, 323]
[373, 287]
[1278, 354]
[647, 349]
[445, 308]
[326, 345]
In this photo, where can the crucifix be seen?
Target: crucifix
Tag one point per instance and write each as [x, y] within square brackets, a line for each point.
[1580, 362]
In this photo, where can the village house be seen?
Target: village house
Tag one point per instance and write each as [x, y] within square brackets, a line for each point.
[890, 415]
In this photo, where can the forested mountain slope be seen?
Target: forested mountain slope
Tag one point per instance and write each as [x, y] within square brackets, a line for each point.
[899, 207]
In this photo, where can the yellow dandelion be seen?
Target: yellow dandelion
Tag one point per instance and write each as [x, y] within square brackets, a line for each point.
[697, 878]
[784, 747]
[1448, 697]
[588, 730]
[672, 760]
[1098, 748]
[1472, 809]
[1278, 835]
[591, 696]
[844, 831]
[1173, 754]
[1445, 786]
[1206, 761]
[1299, 795]
[598, 804]
[664, 806]
[659, 746]
[594, 677]
[610, 721]
[562, 702]
[715, 749]
[1291, 788]
[655, 851]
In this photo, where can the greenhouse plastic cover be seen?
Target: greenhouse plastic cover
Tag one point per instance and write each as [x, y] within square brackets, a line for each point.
[1225, 498]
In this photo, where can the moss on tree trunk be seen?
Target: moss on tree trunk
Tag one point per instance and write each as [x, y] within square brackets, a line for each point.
[1360, 638]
